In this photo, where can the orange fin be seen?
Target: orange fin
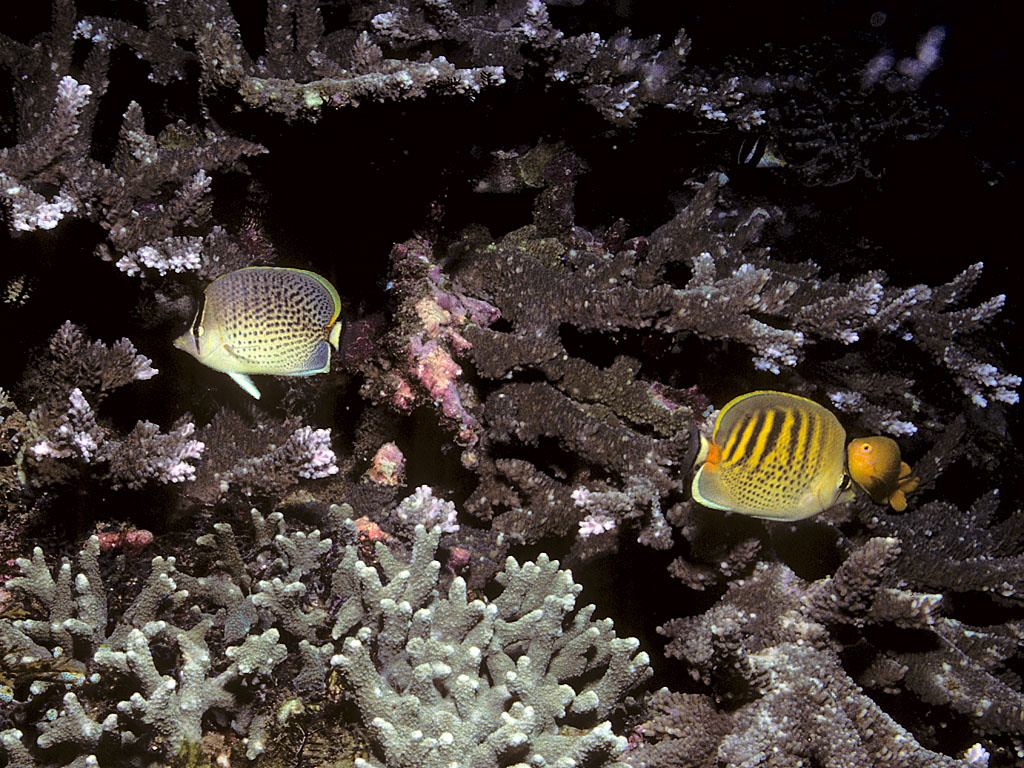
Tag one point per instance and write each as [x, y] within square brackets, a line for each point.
[898, 501]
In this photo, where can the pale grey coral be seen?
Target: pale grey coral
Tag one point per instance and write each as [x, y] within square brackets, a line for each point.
[437, 678]
[75, 607]
[444, 681]
[175, 705]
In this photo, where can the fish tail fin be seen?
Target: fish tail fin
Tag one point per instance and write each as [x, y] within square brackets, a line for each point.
[898, 500]
[334, 335]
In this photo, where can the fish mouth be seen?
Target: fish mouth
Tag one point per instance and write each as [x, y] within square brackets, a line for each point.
[185, 343]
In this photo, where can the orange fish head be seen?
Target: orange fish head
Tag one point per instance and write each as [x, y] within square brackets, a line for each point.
[873, 459]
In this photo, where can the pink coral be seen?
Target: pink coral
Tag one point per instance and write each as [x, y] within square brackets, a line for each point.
[458, 559]
[369, 531]
[128, 541]
[437, 371]
[387, 466]
[431, 318]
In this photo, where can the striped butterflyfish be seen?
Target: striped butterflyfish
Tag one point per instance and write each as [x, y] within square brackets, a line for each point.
[773, 455]
[271, 320]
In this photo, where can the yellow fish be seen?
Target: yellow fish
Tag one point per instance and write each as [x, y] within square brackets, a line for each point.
[876, 466]
[773, 455]
[271, 320]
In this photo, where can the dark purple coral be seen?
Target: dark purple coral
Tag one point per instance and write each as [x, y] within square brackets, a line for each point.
[770, 653]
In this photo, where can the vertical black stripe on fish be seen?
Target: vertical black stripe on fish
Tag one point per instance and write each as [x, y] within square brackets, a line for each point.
[750, 426]
[767, 437]
[815, 446]
[731, 438]
[795, 420]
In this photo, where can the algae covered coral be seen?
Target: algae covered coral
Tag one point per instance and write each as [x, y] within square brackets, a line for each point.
[555, 258]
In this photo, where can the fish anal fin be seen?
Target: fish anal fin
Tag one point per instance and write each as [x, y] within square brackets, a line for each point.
[318, 362]
[245, 383]
[898, 500]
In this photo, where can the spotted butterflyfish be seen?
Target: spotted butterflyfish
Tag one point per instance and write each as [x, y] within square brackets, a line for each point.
[773, 455]
[876, 466]
[265, 320]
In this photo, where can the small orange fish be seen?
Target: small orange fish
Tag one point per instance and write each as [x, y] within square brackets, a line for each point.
[875, 465]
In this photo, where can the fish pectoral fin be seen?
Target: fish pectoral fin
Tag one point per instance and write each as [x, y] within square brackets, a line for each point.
[909, 484]
[234, 353]
[245, 383]
[898, 501]
[906, 483]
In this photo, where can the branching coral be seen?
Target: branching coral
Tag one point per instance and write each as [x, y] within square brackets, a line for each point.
[153, 189]
[426, 671]
[771, 648]
[608, 418]
[432, 676]
[61, 437]
[255, 459]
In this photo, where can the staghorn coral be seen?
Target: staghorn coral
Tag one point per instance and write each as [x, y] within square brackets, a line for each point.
[153, 190]
[770, 649]
[247, 457]
[442, 679]
[143, 679]
[607, 418]
[61, 439]
[73, 361]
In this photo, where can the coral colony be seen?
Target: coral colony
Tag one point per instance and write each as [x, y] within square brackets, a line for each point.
[414, 559]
